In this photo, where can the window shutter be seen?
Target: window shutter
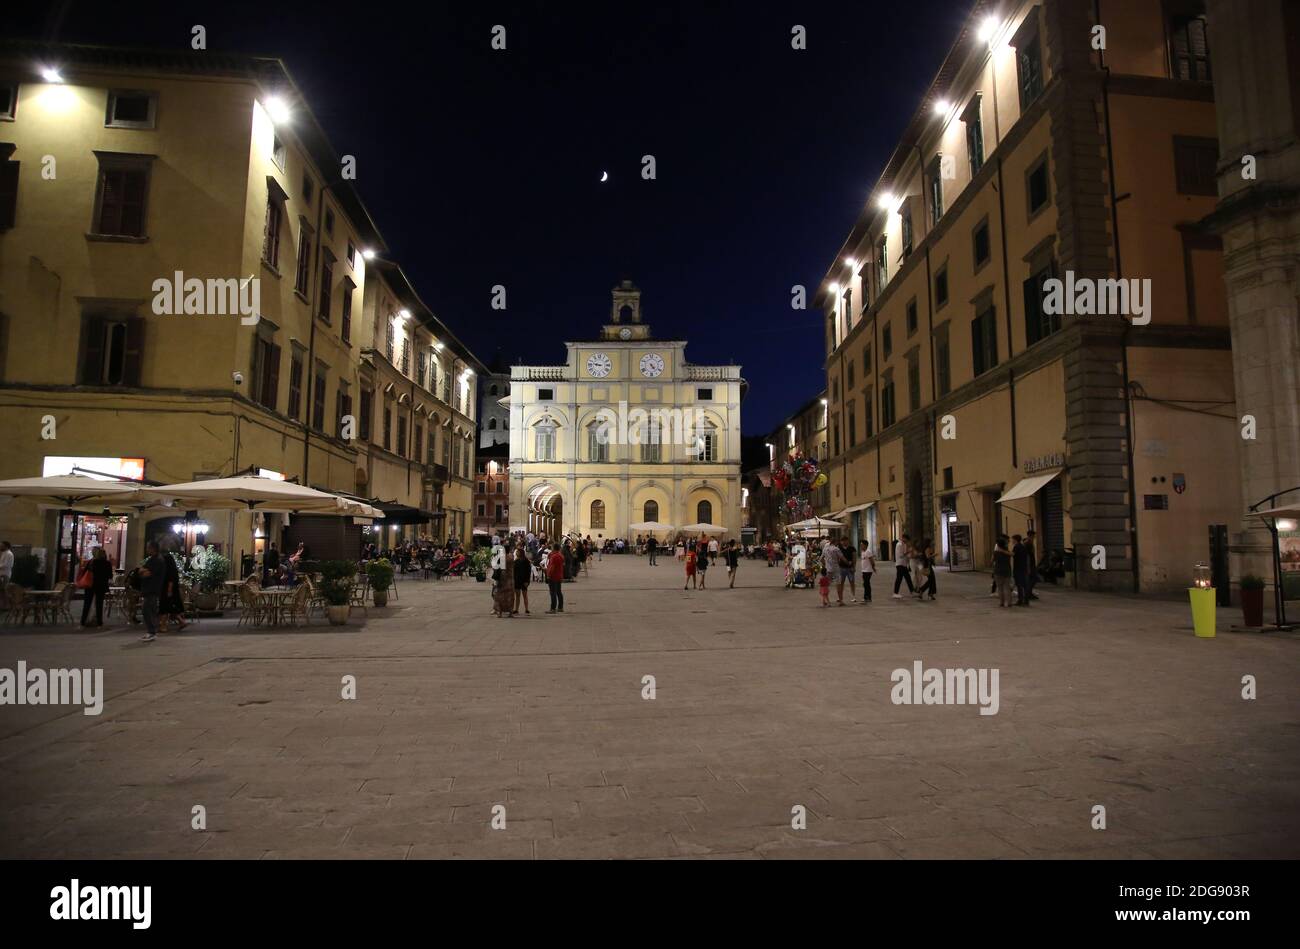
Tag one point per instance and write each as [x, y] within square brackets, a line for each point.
[272, 387]
[976, 346]
[92, 351]
[134, 356]
[1033, 320]
[8, 193]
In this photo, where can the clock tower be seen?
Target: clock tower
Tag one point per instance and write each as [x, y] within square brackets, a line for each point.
[625, 315]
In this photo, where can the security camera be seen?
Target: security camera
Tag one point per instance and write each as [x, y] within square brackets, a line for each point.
[238, 377]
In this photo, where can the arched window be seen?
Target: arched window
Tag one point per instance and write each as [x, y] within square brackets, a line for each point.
[704, 512]
[650, 512]
[598, 515]
[545, 440]
[492, 390]
[492, 424]
[597, 442]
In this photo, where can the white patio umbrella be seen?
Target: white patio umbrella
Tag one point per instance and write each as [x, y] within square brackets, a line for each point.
[815, 523]
[653, 526]
[704, 529]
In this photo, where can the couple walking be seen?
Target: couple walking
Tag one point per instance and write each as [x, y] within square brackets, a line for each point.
[918, 559]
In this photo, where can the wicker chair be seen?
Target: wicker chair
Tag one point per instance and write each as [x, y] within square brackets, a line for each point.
[61, 607]
[17, 606]
[250, 609]
[357, 593]
[315, 599]
[299, 605]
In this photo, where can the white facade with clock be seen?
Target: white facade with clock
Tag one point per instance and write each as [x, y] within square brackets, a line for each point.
[570, 470]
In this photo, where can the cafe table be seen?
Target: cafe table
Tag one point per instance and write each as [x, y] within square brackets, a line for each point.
[41, 601]
[273, 601]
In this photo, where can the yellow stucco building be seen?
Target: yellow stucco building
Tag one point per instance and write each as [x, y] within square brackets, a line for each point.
[625, 431]
[964, 402]
[190, 287]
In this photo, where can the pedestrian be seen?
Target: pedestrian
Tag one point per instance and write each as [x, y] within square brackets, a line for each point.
[867, 566]
[824, 584]
[6, 562]
[702, 562]
[101, 574]
[902, 573]
[153, 575]
[171, 606]
[1020, 558]
[555, 579]
[652, 548]
[927, 571]
[503, 591]
[713, 550]
[1002, 570]
[732, 557]
[523, 571]
[690, 569]
[600, 548]
[581, 553]
[847, 571]
[771, 554]
[681, 549]
[1032, 573]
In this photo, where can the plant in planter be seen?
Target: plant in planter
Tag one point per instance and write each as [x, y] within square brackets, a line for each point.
[208, 571]
[336, 587]
[380, 573]
[480, 562]
[1252, 600]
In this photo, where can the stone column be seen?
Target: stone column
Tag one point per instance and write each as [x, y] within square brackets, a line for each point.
[1257, 93]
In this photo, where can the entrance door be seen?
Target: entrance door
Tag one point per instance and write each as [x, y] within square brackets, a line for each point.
[1053, 511]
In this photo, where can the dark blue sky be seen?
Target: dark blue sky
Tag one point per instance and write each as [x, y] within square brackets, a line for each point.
[482, 167]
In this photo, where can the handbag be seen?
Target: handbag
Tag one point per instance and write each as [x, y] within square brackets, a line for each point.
[86, 579]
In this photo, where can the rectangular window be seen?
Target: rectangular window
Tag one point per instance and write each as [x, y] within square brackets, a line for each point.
[1036, 187]
[866, 361]
[401, 436]
[887, 401]
[980, 244]
[1189, 48]
[912, 319]
[112, 350]
[304, 258]
[974, 134]
[295, 384]
[421, 367]
[482, 510]
[942, 358]
[429, 454]
[500, 515]
[984, 341]
[887, 341]
[308, 188]
[388, 429]
[1196, 163]
[936, 190]
[8, 101]
[390, 340]
[882, 264]
[1029, 66]
[650, 442]
[406, 355]
[941, 288]
[545, 444]
[329, 221]
[597, 444]
[318, 399]
[8, 193]
[851, 414]
[352, 254]
[363, 423]
[278, 151]
[704, 395]
[905, 218]
[326, 285]
[131, 110]
[344, 409]
[265, 374]
[345, 324]
[849, 373]
[835, 435]
[271, 232]
[1038, 323]
[546, 395]
[122, 194]
[913, 381]
[501, 487]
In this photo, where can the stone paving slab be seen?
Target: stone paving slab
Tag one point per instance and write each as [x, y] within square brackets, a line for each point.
[764, 701]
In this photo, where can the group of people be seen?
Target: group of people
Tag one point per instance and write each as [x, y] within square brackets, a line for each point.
[1014, 562]
[517, 556]
[699, 555]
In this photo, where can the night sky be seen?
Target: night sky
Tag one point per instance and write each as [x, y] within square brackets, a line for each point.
[482, 167]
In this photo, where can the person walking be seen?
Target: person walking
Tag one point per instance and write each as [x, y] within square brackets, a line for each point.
[153, 576]
[582, 554]
[523, 571]
[847, 571]
[171, 606]
[702, 562]
[902, 573]
[713, 550]
[690, 569]
[503, 593]
[555, 579]
[652, 548]
[867, 566]
[1020, 558]
[824, 584]
[927, 571]
[101, 574]
[1002, 571]
[732, 558]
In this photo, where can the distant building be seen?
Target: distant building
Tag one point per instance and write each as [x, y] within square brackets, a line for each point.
[494, 406]
[492, 491]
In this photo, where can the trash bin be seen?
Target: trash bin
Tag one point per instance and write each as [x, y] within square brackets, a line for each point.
[1203, 611]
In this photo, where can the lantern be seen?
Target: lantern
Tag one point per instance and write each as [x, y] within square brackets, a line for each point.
[1201, 576]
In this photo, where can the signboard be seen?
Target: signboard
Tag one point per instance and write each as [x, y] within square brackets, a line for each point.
[960, 555]
[1055, 459]
[268, 473]
[106, 469]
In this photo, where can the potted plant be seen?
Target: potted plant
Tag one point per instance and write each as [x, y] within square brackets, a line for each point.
[380, 573]
[336, 588]
[209, 572]
[1252, 600]
[479, 563]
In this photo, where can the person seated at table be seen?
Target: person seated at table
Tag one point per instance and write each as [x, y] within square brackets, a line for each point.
[298, 554]
[288, 577]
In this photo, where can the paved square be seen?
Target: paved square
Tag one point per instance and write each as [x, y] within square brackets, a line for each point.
[763, 701]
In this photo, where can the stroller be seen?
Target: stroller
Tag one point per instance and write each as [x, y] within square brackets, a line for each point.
[456, 567]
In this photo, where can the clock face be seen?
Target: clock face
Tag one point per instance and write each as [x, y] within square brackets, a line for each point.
[599, 365]
[652, 364]
[625, 333]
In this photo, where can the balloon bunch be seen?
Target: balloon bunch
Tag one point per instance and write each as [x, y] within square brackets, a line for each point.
[796, 478]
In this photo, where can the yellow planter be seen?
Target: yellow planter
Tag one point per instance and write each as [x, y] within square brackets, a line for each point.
[1203, 611]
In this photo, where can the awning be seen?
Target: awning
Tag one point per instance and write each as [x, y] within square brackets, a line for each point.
[850, 510]
[1029, 486]
[395, 513]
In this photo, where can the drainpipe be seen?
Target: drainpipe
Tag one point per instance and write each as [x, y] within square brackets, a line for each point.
[313, 291]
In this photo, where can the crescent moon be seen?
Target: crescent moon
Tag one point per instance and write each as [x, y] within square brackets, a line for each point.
[604, 176]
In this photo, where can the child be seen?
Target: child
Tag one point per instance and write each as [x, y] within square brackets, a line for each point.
[825, 584]
[690, 569]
